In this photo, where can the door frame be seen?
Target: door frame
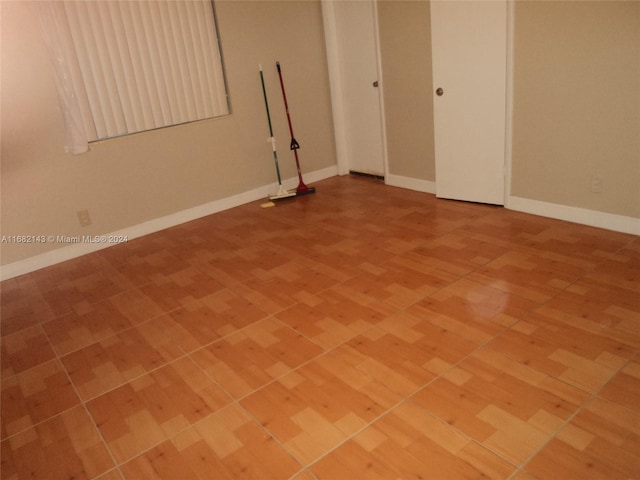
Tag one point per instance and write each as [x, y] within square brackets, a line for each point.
[337, 106]
[508, 134]
[332, 47]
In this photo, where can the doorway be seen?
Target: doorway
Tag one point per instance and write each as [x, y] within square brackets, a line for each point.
[351, 38]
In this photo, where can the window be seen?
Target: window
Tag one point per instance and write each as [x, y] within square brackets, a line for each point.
[130, 66]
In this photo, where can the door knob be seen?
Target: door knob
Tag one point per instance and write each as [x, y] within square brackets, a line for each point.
[439, 91]
[375, 84]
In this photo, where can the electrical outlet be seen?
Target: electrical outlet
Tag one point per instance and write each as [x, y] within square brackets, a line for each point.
[596, 184]
[84, 218]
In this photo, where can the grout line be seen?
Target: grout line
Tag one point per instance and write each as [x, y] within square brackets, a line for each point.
[104, 442]
[405, 398]
[593, 396]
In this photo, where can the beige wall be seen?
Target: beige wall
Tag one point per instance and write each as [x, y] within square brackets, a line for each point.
[576, 100]
[576, 113]
[405, 49]
[577, 104]
[130, 180]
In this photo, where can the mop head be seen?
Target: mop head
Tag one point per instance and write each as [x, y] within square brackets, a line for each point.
[281, 195]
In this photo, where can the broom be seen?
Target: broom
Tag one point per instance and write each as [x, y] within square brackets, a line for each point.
[302, 188]
[282, 193]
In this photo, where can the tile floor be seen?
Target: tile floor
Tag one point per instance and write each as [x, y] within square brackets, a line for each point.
[364, 332]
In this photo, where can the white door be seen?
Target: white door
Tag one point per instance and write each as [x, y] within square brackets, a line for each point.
[353, 63]
[469, 51]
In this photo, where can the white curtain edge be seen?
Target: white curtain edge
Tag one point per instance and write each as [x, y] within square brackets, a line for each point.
[50, 16]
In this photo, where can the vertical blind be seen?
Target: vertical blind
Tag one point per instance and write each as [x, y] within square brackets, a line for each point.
[139, 65]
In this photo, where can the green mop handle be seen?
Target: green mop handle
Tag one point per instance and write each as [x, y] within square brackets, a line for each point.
[271, 138]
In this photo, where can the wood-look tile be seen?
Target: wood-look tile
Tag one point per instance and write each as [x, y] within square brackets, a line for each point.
[70, 272]
[335, 261]
[282, 286]
[398, 283]
[270, 296]
[111, 475]
[523, 476]
[616, 324]
[194, 245]
[22, 305]
[140, 258]
[332, 317]
[78, 286]
[601, 442]
[302, 247]
[414, 264]
[508, 228]
[228, 444]
[624, 388]
[472, 310]
[395, 237]
[343, 242]
[64, 447]
[410, 443]
[362, 292]
[615, 310]
[180, 288]
[231, 265]
[620, 270]
[405, 353]
[305, 476]
[101, 366]
[95, 286]
[35, 395]
[367, 332]
[319, 405]
[580, 241]
[528, 275]
[141, 267]
[457, 254]
[153, 408]
[293, 277]
[193, 326]
[439, 217]
[246, 225]
[247, 360]
[360, 241]
[99, 320]
[16, 288]
[506, 406]
[236, 311]
[24, 349]
[572, 351]
[267, 260]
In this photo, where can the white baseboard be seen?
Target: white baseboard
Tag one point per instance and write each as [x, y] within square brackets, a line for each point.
[410, 183]
[618, 223]
[75, 250]
[609, 221]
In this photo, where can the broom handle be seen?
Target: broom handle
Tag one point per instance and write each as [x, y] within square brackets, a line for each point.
[302, 188]
[266, 102]
[294, 143]
[271, 138]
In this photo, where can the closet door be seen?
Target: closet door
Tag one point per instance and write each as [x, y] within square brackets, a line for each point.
[469, 41]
